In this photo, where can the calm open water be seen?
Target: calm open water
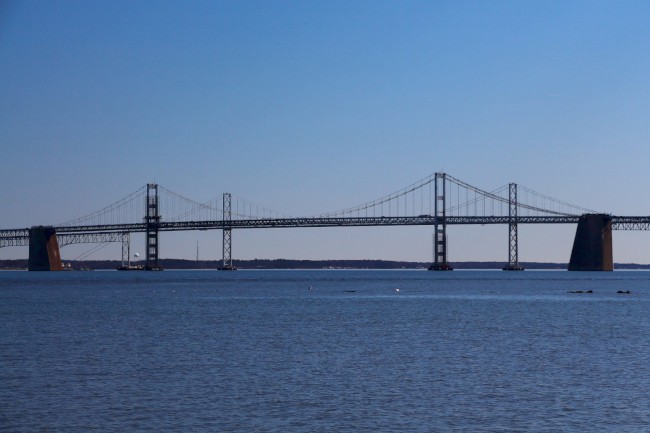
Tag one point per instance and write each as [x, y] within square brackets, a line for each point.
[257, 351]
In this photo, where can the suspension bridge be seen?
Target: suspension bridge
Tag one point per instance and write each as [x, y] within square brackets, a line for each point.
[438, 200]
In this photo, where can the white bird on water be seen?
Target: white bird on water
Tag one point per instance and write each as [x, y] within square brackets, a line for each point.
[397, 290]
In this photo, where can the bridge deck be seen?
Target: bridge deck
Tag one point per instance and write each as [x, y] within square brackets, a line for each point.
[17, 237]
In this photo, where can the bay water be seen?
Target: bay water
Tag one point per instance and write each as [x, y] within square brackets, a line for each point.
[324, 351]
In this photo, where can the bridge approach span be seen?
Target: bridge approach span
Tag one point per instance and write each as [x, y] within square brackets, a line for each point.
[20, 237]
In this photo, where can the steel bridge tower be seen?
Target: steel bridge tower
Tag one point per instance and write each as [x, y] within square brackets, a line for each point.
[226, 252]
[440, 236]
[152, 220]
[126, 249]
[513, 254]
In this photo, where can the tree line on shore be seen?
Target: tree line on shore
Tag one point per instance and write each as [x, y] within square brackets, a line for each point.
[301, 264]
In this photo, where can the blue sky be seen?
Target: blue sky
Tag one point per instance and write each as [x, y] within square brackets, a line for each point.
[307, 107]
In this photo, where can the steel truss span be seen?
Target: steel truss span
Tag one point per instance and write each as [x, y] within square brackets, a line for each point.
[317, 222]
[631, 223]
[18, 235]
[14, 238]
[90, 238]
[114, 232]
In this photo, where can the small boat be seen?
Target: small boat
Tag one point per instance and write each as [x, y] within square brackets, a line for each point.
[130, 268]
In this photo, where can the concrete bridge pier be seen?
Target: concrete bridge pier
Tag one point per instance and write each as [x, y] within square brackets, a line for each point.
[592, 246]
[44, 252]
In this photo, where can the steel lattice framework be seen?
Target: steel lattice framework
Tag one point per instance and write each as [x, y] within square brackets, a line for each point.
[90, 238]
[631, 223]
[14, 238]
[112, 232]
[21, 236]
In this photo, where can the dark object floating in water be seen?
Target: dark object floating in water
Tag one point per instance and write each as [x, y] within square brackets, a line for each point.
[626, 292]
[580, 291]
[350, 291]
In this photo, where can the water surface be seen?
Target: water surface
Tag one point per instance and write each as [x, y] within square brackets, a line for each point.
[258, 351]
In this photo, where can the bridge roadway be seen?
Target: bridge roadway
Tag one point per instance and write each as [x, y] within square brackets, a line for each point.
[17, 237]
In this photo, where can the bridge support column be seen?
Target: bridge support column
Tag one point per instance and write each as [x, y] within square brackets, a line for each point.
[152, 218]
[44, 252]
[513, 242]
[226, 250]
[440, 236]
[126, 249]
[592, 246]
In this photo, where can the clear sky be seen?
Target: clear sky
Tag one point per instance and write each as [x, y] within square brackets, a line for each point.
[312, 106]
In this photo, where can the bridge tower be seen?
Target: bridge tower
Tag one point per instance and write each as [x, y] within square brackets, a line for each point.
[513, 254]
[152, 219]
[440, 236]
[226, 252]
[126, 249]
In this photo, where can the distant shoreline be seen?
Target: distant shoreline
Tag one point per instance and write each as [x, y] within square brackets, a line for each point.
[21, 264]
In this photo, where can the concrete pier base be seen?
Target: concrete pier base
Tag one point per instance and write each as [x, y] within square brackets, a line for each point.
[44, 250]
[513, 268]
[592, 247]
[441, 267]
